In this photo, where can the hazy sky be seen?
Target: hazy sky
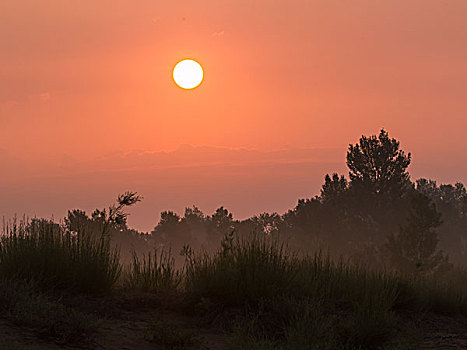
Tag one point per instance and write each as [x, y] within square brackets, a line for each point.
[82, 82]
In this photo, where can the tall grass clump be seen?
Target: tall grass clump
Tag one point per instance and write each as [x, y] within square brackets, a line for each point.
[154, 272]
[54, 257]
[243, 270]
[258, 267]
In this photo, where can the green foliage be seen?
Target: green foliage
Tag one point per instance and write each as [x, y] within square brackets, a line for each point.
[154, 272]
[54, 257]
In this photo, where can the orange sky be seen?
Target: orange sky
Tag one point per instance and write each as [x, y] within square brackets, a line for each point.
[82, 82]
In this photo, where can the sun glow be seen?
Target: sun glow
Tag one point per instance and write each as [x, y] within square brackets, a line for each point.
[188, 74]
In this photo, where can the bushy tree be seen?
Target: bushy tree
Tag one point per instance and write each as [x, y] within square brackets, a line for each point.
[378, 168]
[195, 222]
[221, 223]
[169, 231]
[304, 223]
[265, 223]
[414, 249]
[451, 197]
[330, 221]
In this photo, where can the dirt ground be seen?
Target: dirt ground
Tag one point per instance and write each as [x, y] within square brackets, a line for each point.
[443, 333]
[127, 321]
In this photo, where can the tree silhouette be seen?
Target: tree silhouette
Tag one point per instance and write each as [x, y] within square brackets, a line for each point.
[221, 223]
[265, 223]
[333, 188]
[451, 201]
[414, 249]
[110, 224]
[195, 223]
[171, 231]
[114, 215]
[378, 168]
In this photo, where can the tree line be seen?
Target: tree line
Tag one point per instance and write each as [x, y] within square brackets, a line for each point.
[375, 216]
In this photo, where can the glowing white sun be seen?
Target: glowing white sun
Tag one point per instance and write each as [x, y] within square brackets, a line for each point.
[188, 74]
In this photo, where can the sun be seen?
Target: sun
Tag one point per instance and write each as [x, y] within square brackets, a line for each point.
[188, 74]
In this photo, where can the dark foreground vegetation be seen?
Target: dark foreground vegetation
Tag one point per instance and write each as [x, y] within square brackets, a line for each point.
[269, 282]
